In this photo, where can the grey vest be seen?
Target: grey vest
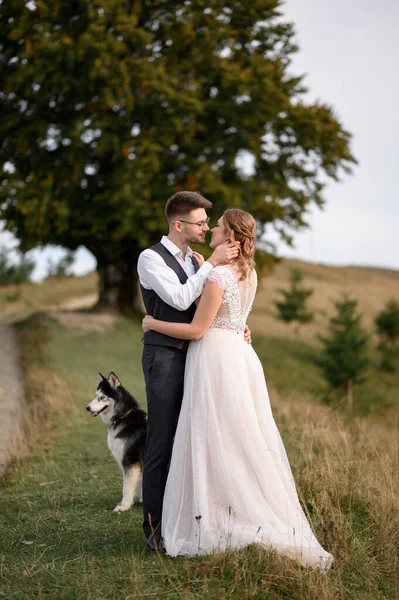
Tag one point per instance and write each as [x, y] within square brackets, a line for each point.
[158, 309]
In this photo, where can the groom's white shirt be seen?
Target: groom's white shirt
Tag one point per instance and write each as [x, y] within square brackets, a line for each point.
[154, 274]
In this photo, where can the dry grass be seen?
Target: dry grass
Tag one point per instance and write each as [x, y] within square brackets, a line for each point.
[46, 396]
[347, 471]
[373, 287]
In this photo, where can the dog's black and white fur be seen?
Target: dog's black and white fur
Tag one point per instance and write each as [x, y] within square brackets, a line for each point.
[127, 430]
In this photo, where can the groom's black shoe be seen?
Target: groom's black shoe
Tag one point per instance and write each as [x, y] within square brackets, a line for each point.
[155, 544]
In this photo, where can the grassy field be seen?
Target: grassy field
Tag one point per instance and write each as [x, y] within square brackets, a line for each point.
[59, 538]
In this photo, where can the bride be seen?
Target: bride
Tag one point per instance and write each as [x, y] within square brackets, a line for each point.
[230, 483]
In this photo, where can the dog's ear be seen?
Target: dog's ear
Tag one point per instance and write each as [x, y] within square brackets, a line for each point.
[113, 380]
[100, 378]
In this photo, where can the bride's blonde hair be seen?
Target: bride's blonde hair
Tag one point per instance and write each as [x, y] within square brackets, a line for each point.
[241, 227]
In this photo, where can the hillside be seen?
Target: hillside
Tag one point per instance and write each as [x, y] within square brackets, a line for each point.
[372, 286]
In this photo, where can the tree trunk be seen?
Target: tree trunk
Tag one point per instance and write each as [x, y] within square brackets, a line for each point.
[118, 282]
[349, 395]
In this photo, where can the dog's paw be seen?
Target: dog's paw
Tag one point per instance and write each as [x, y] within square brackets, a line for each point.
[121, 507]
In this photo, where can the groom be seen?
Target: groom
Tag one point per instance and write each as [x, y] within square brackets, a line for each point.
[170, 283]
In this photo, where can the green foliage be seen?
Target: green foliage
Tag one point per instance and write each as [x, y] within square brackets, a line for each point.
[109, 108]
[62, 268]
[345, 359]
[19, 272]
[292, 309]
[387, 324]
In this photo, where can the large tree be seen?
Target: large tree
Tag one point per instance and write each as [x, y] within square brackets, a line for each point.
[108, 107]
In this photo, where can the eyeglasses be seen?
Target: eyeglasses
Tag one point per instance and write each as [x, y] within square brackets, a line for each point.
[200, 224]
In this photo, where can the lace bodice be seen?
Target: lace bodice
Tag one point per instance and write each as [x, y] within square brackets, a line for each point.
[237, 299]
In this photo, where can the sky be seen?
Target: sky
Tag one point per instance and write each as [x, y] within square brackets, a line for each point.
[349, 52]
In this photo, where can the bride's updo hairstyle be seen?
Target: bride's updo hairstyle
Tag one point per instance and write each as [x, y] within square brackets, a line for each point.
[241, 227]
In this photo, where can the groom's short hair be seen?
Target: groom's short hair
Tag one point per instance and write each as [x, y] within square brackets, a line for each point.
[182, 203]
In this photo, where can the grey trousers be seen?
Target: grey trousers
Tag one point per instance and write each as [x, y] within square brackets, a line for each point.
[163, 369]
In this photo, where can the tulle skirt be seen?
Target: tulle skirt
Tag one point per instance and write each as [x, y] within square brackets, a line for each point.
[230, 483]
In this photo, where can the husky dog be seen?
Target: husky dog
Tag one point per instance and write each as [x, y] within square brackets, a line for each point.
[127, 430]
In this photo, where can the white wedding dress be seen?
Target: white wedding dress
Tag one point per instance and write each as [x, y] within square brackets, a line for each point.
[230, 483]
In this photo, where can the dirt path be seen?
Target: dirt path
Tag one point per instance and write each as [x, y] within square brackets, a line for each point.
[76, 303]
[11, 394]
[68, 315]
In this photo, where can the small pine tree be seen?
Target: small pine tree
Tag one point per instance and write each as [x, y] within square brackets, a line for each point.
[387, 324]
[345, 359]
[292, 309]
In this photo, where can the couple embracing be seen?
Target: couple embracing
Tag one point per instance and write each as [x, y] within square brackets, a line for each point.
[216, 474]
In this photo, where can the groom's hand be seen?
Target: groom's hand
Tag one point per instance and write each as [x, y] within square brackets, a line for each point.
[199, 259]
[224, 253]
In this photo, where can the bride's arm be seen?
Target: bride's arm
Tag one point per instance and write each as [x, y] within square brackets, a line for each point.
[207, 308]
